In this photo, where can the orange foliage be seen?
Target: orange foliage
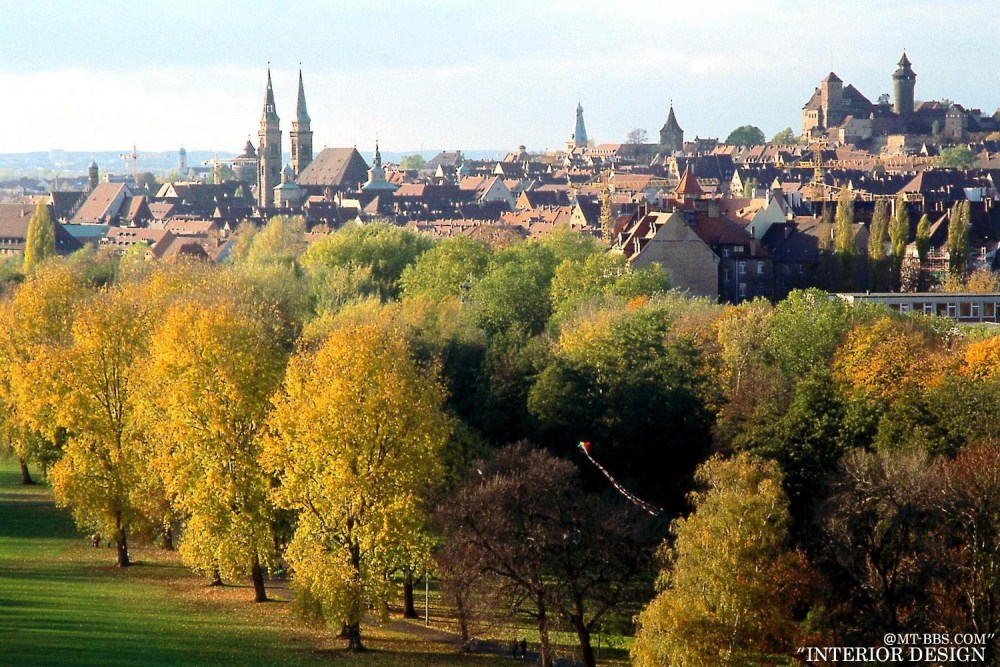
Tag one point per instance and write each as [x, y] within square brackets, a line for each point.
[982, 359]
[883, 358]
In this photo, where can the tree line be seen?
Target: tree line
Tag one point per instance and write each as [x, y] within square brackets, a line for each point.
[379, 404]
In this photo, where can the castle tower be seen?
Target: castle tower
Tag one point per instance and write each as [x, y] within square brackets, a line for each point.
[904, 80]
[182, 163]
[92, 176]
[269, 151]
[579, 138]
[301, 135]
[671, 134]
[831, 99]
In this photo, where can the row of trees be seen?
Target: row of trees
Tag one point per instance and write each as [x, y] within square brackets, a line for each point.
[342, 410]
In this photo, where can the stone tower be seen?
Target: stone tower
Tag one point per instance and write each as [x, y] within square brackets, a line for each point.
[92, 176]
[671, 134]
[904, 80]
[301, 135]
[579, 138]
[269, 151]
[832, 98]
[182, 163]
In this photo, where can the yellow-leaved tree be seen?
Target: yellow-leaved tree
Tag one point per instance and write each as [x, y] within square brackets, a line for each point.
[727, 593]
[357, 431]
[102, 475]
[34, 321]
[216, 363]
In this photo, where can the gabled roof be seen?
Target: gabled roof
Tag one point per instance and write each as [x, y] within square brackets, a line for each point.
[104, 203]
[335, 167]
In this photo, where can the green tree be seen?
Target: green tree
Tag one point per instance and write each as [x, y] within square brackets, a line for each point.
[40, 243]
[746, 135]
[958, 239]
[923, 238]
[726, 592]
[450, 268]
[958, 157]
[414, 162]
[878, 235]
[899, 236]
[784, 138]
[369, 258]
[281, 242]
[148, 182]
[844, 242]
[357, 430]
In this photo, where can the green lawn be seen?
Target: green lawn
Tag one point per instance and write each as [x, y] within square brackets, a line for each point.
[62, 602]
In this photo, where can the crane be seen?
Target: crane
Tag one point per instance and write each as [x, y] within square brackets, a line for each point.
[216, 163]
[134, 156]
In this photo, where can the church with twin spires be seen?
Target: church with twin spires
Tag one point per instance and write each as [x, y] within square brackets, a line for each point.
[269, 171]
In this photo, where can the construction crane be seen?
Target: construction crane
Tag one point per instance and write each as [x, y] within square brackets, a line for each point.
[134, 156]
[216, 164]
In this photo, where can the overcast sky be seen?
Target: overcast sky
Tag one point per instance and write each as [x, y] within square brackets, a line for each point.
[463, 74]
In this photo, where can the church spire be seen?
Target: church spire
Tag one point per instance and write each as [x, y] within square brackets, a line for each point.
[300, 107]
[301, 134]
[269, 109]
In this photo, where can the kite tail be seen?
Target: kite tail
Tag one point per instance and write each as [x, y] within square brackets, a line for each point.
[634, 499]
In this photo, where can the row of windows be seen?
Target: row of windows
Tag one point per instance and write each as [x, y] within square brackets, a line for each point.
[987, 311]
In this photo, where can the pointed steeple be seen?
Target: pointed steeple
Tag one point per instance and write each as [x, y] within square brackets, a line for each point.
[300, 107]
[688, 187]
[376, 175]
[378, 156]
[269, 109]
[671, 125]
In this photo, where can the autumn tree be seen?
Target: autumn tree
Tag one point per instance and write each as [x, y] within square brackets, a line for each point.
[878, 545]
[560, 555]
[100, 475]
[35, 322]
[637, 136]
[40, 242]
[878, 235]
[357, 429]
[217, 361]
[784, 138]
[728, 587]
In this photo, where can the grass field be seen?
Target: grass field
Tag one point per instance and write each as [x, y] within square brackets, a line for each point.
[62, 602]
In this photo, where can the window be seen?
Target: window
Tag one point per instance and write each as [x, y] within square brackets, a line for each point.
[975, 311]
[725, 252]
[725, 275]
[743, 268]
[760, 268]
[743, 290]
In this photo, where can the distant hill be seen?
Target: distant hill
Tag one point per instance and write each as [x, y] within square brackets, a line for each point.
[73, 163]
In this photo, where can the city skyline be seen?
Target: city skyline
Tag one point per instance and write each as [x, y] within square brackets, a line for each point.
[500, 76]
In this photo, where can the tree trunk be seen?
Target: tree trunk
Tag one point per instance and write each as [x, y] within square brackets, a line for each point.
[216, 579]
[354, 637]
[545, 660]
[121, 543]
[168, 538]
[409, 611]
[583, 635]
[25, 475]
[463, 622]
[257, 576]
